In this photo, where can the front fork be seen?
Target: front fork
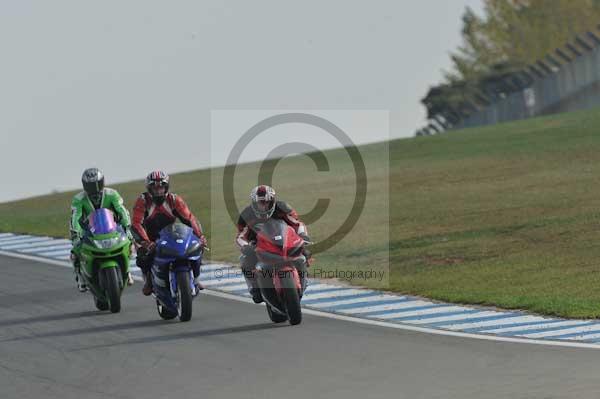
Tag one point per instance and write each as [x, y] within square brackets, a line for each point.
[173, 281]
[270, 285]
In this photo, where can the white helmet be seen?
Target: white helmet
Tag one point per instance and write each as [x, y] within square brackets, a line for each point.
[263, 201]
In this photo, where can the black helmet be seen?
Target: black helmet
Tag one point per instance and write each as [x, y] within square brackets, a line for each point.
[263, 201]
[93, 184]
[157, 185]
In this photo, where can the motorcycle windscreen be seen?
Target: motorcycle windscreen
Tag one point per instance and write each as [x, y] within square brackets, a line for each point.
[276, 237]
[102, 221]
[177, 231]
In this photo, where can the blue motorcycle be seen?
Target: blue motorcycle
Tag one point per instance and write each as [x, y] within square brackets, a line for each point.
[177, 248]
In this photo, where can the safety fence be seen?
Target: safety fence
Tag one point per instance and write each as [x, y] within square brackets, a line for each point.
[566, 80]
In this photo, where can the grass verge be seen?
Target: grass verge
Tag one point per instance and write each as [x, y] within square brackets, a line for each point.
[503, 215]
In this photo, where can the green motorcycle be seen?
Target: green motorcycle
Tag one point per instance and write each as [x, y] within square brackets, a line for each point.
[104, 254]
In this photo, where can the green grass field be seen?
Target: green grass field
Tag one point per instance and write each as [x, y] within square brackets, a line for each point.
[503, 215]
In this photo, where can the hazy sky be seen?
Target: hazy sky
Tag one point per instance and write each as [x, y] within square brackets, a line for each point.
[129, 86]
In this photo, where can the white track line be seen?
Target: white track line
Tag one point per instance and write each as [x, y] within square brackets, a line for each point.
[582, 337]
[341, 301]
[457, 317]
[319, 286]
[14, 237]
[43, 248]
[217, 266]
[236, 287]
[423, 312]
[396, 306]
[378, 323]
[22, 241]
[216, 283]
[14, 247]
[509, 320]
[333, 294]
[548, 326]
[55, 253]
[547, 334]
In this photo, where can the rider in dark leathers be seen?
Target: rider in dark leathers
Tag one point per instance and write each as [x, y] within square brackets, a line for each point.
[263, 206]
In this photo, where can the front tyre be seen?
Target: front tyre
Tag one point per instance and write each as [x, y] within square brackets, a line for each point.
[291, 300]
[185, 296]
[112, 289]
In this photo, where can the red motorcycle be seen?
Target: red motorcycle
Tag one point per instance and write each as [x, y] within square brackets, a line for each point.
[280, 270]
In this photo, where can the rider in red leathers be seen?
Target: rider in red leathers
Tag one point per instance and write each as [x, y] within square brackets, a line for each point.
[264, 205]
[153, 210]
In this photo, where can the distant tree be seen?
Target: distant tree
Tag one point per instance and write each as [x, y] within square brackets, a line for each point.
[510, 35]
[476, 53]
[518, 32]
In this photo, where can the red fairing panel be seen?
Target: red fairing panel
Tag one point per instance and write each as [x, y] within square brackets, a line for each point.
[292, 241]
[284, 272]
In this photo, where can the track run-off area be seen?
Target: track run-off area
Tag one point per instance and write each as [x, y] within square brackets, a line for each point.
[367, 306]
[54, 344]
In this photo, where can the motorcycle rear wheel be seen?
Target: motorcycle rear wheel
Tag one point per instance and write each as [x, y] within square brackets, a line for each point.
[275, 317]
[165, 313]
[100, 304]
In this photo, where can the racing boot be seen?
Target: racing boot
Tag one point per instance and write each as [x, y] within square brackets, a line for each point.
[253, 288]
[77, 274]
[196, 272]
[129, 279]
[80, 283]
[147, 289]
[248, 263]
[198, 284]
[256, 295]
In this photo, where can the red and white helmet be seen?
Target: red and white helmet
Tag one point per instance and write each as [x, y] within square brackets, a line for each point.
[157, 184]
[263, 201]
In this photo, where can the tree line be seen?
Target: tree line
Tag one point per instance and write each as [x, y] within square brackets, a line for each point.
[510, 35]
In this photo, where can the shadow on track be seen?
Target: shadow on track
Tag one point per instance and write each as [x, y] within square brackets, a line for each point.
[52, 317]
[37, 297]
[46, 297]
[91, 330]
[188, 335]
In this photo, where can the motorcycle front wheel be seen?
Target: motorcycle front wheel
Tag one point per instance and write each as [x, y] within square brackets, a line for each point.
[291, 300]
[185, 296]
[112, 289]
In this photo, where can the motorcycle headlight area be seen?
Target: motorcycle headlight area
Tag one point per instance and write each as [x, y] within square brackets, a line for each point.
[164, 250]
[108, 242]
[193, 250]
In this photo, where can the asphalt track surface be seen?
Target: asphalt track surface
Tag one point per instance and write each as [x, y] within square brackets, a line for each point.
[54, 344]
